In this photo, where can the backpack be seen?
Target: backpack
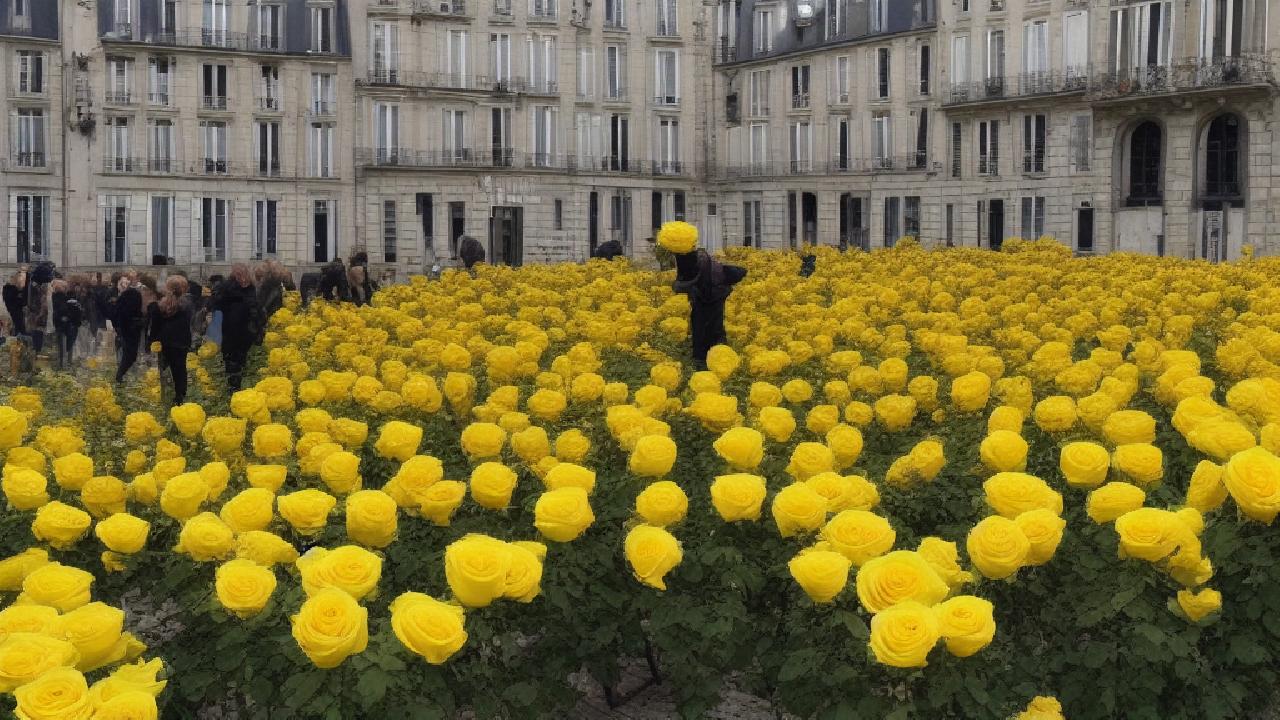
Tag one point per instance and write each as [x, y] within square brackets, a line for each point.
[43, 273]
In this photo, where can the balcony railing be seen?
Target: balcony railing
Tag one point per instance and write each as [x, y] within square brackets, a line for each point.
[667, 28]
[1183, 75]
[118, 97]
[1020, 86]
[220, 40]
[158, 98]
[666, 100]
[455, 81]
[543, 87]
[502, 8]
[839, 165]
[322, 108]
[617, 94]
[116, 164]
[213, 102]
[198, 167]
[668, 167]
[29, 159]
[724, 51]
[800, 101]
[615, 24]
[269, 103]
[543, 14]
[441, 8]
[511, 159]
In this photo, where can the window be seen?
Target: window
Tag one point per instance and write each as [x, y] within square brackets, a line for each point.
[752, 223]
[1141, 39]
[386, 132]
[920, 159]
[615, 13]
[619, 142]
[911, 216]
[957, 136]
[668, 146]
[964, 5]
[668, 16]
[21, 15]
[891, 219]
[1032, 217]
[989, 147]
[801, 146]
[759, 147]
[269, 88]
[543, 63]
[264, 228]
[1033, 143]
[843, 146]
[269, 20]
[456, 146]
[836, 12]
[799, 86]
[389, 231]
[31, 237]
[557, 214]
[995, 62]
[879, 15]
[213, 87]
[160, 78]
[543, 9]
[615, 72]
[122, 18]
[214, 29]
[160, 144]
[882, 73]
[589, 140]
[950, 223]
[840, 92]
[384, 49]
[118, 160]
[29, 138]
[323, 95]
[322, 150]
[119, 81]
[1223, 25]
[115, 228]
[667, 78]
[169, 18]
[1035, 57]
[267, 140]
[1145, 148]
[502, 7]
[1075, 47]
[455, 55]
[1081, 141]
[322, 28]
[500, 59]
[30, 64]
[545, 122]
[759, 93]
[162, 222]
[213, 221]
[762, 31]
[925, 71]
[586, 73]
[1222, 158]
[324, 230]
[213, 137]
[500, 132]
[1084, 228]
[960, 68]
[882, 140]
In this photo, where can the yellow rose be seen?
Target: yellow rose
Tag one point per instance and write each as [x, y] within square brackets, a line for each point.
[251, 405]
[661, 504]
[252, 509]
[167, 450]
[943, 557]
[572, 446]
[822, 574]
[1150, 534]
[652, 552]
[859, 535]
[967, 624]
[205, 538]
[1113, 500]
[547, 404]
[927, 459]
[562, 515]
[123, 533]
[925, 391]
[330, 627]
[483, 440]
[903, 635]
[997, 547]
[15, 568]
[845, 442]
[96, 630]
[133, 705]
[1056, 413]
[678, 238]
[24, 488]
[524, 575]
[896, 577]
[776, 423]
[531, 444]
[349, 568]
[723, 361]
[492, 484]
[1221, 438]
[398, 441]
[476, 568]
[895, 412]
[60, 693]
[272, 441]
[1013, 493]
[13, 427]
[738, 497]
[139, 427]
[1084, 464]
[371, 518]
[351, 434]
[1125, 427]
[340, 472]
[264, 548]
[166, 470]
[1005, 417]
[429, 628]
[439, 501]
[763, 394]
[183, 495]
[1198, 605]
[26, 457]
[615, 393]
[216, 475]
[60, 525]
[809, 459]
[653, 456]
[72, 471]
[224, 435]
[1143, 463]
[36, 619]
[307, 511]
[1043, 529]
[125, 679]
[57, 586]
[188, 418]
[741, 447]
[1206, 491]
[1004, 451]
[311, 420]
[798, 508]
[970, 392]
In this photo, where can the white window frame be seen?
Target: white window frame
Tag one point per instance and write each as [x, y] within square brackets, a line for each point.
[1075, 44]
[988, 147]
[115, 229]
[31, 68]
[170, 211]
[455, 49]
[32, 217]
[586, 73]
[159, 83]
[668, 145]
[119, 132]
[882, 140]
[615, 72]
[386, 131]
[323, 94]
[762, 30]
[320, 41]
[213, 145]
[543, 127]
[160, 145]
[840, 90]
[666, 69]
[30, 137]
[1031, 207]
[215, 22]
[1080, 145]
[760, 82]
[320, 149]
[500, 57]
[266, 154]
[213, 238]
[384, 52]
[456, 136]
[758, 144]
[801, 145]
[1031, 124]
[266, 228]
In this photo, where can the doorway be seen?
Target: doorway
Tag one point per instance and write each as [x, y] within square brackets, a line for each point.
[711, 228]
[809, 217]
[593, 223]
[995, 224]
[506, 236]
[457, 225]
[853, 230]
[1084, 229]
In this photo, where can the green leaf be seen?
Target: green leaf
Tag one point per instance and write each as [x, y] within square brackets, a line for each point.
[372, 686]
[856, 625]
[521, 694]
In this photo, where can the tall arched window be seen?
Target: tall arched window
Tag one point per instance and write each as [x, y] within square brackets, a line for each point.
[1222, 159]
[1145, 149]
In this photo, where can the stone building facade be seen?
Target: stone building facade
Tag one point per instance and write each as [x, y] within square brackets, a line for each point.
[207, 132]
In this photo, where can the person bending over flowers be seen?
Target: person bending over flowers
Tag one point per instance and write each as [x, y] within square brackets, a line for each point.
[706, 281]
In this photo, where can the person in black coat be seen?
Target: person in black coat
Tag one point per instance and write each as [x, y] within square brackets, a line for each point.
[708, 284]
[333, 282]
[609, 250]
[15, 301]
[68, 315]
[169, 323]
[242, 322]
[471, 252]
[128, 321]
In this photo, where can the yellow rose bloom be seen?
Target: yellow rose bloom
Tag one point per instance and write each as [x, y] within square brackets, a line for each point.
[1005, 417]
[970, 392]
[349, 568]
[1013, 493]
[661, 504]
[15, 568]
[183, 496]
[224, 435]
[524, 575]
[1004, 451]
[205, 537]
[492, 484]
[264, 548]
[306, 511]
[398, 441]
[741, 447]
[570, 475]
[1056, 413]
[125, 679]
[678, 238]
[1084, 464]
[822, 574]
[272, 441]
[1221, 438]
[476, 568]
[776, 423]
[97, 632]
[809, 459]
[903, 635]
[1113, 500]
[798, 508]
[60, 525]
[845, 443]
[483, 440]
[997, 547]
[25, 489]
[330, 627]
[653, 456]
[564, 514]
[1043, 529]
[428, 628]
[371, 518]
[967, 624]
[896, 577]
[895, 412]
[123, 533]
[216, 475]
[943, 557]
[57, 586]
[1143, 463]
[652, 552]
[531, 444]
[349, 433]
[1125, 427]
[859, 535]
[72, 471]
[438, 502]
[13, 427]
[572, 446]
[1206, 491]
[36, 619]
[738, 497]
[340, 472]
[267, 477]
[1198, 605]
[1150, 534]
[56, 694]
[188, 418]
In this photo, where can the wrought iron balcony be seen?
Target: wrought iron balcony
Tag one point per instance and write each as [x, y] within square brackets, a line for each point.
[118, 97]
[213, 102]
[29, 159]
[669, 167]
[1186, 75]
[441, 8]
[1020, 86]
[452, 81]
[724, 52]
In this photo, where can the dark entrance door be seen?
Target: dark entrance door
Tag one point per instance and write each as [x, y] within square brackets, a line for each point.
[506, 236]
[593, 222]
[995, 224]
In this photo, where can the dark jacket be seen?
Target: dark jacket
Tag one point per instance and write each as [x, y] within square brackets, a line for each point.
[128, 317]
[471, 252]
[242, 318]
[171, 331]
[14, 299]
[333, 283]
[68, 313]
[704, 279]
[270, 295]
[609, 250]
